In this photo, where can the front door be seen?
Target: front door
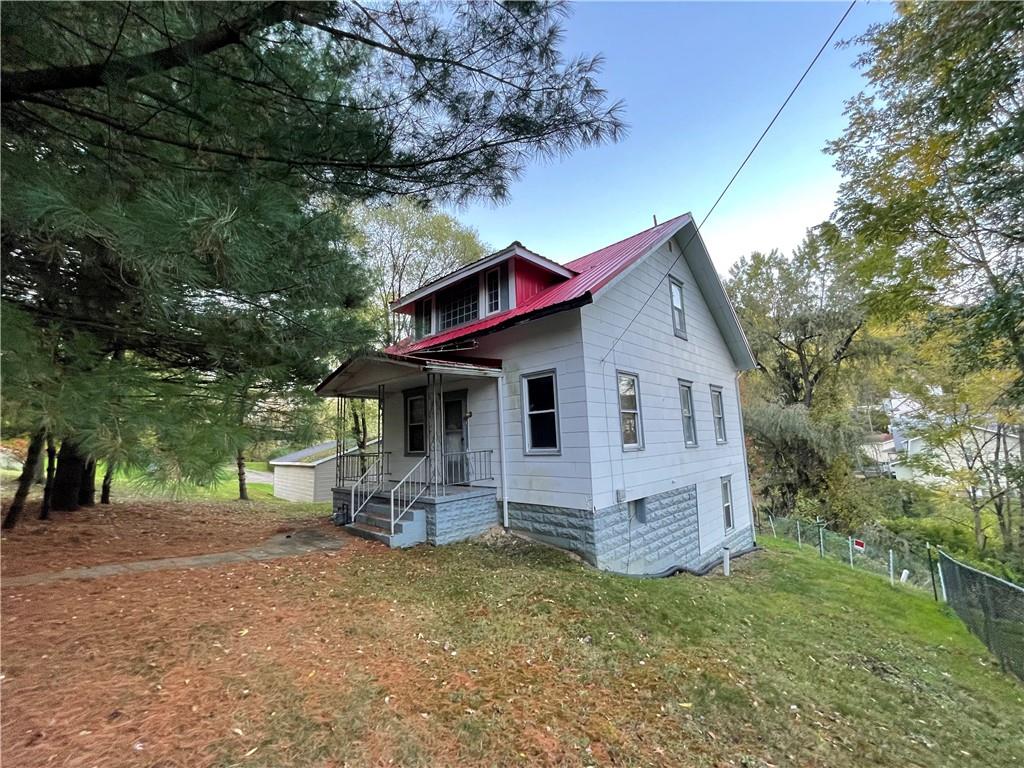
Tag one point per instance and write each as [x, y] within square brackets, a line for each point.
[455, 442]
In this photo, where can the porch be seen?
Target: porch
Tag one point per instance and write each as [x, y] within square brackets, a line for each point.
[430, 477]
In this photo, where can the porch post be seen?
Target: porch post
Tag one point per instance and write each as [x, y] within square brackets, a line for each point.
[499, 388]
[442, 464]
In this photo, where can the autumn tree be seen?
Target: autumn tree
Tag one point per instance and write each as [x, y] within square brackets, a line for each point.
[933, 185]
[406, 244]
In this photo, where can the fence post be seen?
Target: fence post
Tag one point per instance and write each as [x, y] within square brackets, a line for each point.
[799, 540]
[821, 536]
[892, 574]
[942, 579]
[849, 543]
[931, 569]
[725, 561]
[771, 522]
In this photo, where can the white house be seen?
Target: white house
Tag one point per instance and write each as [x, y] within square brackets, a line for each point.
[593, 405]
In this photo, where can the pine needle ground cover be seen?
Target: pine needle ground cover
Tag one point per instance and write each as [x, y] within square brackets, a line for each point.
[497, 652]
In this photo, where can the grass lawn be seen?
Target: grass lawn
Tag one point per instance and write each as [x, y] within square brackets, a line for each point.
[497, 653]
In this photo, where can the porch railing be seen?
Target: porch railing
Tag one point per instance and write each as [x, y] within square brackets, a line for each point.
[466, 467]
[352, 466]
[367, 484]
[407, 490]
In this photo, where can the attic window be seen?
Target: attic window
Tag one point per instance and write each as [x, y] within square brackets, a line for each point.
[459, 304]
[492, 290]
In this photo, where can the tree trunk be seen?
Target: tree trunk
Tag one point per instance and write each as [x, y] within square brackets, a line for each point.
[67, 481]
[243, 490]
[108, 480]
[87, 490]
[51, 466]
[25, 480]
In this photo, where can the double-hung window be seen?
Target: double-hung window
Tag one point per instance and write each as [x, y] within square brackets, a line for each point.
[675, 292]
[424, 318]
[686, 407]
[415, 424]
[727, 503]
[492, 291]
[540, 412]
[718, 414]
[630, 422]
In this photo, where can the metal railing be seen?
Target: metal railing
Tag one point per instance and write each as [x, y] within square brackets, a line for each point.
[407, 490]
[352, 466]
[466, 467]
[367, 484]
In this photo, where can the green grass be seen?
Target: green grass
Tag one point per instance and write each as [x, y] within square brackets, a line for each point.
[791, 661]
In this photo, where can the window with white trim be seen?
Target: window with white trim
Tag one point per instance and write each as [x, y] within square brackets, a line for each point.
[630, 422]
[727, 503]
[718, 414]
[415, 424]
[492, 290]
[689, 420]
[675, 292]
[458, 304]
[424, 317]
[540, 412]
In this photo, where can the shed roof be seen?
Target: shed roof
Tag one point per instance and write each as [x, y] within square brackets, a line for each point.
[312, 456]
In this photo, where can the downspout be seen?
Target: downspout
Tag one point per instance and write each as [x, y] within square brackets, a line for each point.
[746, 466]
[500, 389]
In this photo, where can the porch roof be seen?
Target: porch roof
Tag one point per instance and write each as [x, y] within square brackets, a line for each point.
[361, 376]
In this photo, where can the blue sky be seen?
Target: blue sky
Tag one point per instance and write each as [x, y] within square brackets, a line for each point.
[700, 82]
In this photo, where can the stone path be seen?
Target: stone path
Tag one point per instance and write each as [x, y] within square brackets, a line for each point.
[300, 542]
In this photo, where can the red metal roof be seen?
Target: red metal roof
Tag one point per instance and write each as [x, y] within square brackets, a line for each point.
[594, 271]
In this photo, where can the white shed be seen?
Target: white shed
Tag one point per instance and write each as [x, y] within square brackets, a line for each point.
[307, 475]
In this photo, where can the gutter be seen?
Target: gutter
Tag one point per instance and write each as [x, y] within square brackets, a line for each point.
[675, 570]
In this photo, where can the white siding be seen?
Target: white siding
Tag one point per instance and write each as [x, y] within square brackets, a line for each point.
[650, 349]
[552, 343]
[294, 483]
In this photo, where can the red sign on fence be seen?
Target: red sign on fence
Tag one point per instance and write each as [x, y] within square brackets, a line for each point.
[858, 544]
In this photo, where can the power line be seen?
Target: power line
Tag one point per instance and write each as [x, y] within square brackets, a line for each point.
[753, 149]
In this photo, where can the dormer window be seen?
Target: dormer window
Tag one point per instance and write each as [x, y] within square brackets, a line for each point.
[458, 304]
[424, 322]
[492, 290]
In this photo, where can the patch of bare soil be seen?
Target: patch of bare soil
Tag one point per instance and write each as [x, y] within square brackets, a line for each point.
[135, 530]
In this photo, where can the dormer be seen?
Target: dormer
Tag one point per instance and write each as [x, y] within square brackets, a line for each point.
[490, 286]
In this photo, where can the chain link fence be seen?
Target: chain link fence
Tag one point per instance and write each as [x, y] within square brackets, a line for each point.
[874, 549]
[991, 608]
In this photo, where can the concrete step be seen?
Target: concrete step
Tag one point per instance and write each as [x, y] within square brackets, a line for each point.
[412, 530]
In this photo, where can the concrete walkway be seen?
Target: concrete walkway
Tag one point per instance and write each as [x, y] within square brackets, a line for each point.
[259, 476]
[301, 542]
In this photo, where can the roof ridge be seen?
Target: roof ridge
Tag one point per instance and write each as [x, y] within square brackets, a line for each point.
[624, 239]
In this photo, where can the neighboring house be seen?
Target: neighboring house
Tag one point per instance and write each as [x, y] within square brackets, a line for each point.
[309, 474]
[981, 444]
[595, 401]
[879, 449]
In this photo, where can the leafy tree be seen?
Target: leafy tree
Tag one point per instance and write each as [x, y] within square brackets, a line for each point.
[807, 326]
[171, 173]
[406, 244]
[934, 185]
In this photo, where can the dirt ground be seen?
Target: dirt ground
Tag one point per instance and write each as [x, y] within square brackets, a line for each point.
[156, 669]
[136, 530]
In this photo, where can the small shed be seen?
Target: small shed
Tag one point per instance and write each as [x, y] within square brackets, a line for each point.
[309, 474]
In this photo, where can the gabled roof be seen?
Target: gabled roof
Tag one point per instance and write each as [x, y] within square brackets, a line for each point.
[515, 249]
[595, 271]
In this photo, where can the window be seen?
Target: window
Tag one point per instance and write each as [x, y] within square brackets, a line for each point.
[718, 414]
[675, 290]
[629, 412]
[540, 412]
[459, 304]
[686, 405]
[415, 424]
[492, 291]
[424, 318]
[637, 510]
[727, 502]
